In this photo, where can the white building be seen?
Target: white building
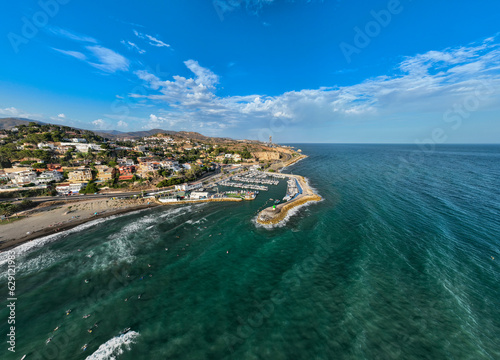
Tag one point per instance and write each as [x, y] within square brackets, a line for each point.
[23, 177]
[82, 147]
[48, 176]
[45, 145]
[188, 187]
[196, 195]
[68, 188]
[78, 140]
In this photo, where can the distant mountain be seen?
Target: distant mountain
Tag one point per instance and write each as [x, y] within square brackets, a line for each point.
[9, 123]
[113, 134]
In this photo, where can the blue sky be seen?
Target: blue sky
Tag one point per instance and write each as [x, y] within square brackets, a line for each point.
[301, 71]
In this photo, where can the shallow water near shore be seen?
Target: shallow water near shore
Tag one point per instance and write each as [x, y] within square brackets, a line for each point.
[401, 260]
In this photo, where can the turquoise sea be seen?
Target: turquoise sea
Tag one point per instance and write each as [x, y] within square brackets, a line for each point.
[401, 260]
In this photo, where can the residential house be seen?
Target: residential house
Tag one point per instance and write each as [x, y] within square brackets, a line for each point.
[50, 175]
[105, 173]
[56, 167]
[80, 175]
[126, 172]
[23, 177]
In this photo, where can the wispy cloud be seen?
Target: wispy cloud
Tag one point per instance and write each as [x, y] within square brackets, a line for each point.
[132, 46]
[70, 35]
[95, 55]
[107, 59]
[76, 54]
[60, 118]
[423, 83]
[151, 39]
[18, 113]
[253, 6]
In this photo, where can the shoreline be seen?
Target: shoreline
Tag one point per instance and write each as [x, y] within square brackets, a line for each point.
[9, 244]
[38, 221]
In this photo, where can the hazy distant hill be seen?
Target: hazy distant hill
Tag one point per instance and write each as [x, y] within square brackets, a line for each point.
[113, 134]
[9, 123]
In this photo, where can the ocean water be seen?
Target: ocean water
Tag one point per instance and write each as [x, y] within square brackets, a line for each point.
[401, 260]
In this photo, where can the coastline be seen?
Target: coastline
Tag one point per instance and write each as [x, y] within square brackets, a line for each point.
[42, 231]
[58, 217]
[14, 234]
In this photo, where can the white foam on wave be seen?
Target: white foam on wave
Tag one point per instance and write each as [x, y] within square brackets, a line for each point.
[32, 245]
[114, 347]
[194, 222]
[27, 247]
[177, 211]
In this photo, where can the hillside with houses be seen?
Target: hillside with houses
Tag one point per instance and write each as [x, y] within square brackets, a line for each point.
[45, 159]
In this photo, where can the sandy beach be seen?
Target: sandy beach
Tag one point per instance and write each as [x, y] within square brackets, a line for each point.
[57, 216]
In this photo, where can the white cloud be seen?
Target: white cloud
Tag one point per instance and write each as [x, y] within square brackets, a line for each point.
[107, 59]
[99, 124]
[59, 117]
[18, 113]
[425, 83]
[151, 39]
[76, 54]
[95, 55]
[131, 46]
[204, 77]
[428, 83]
[70, 35]
[122, 124]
